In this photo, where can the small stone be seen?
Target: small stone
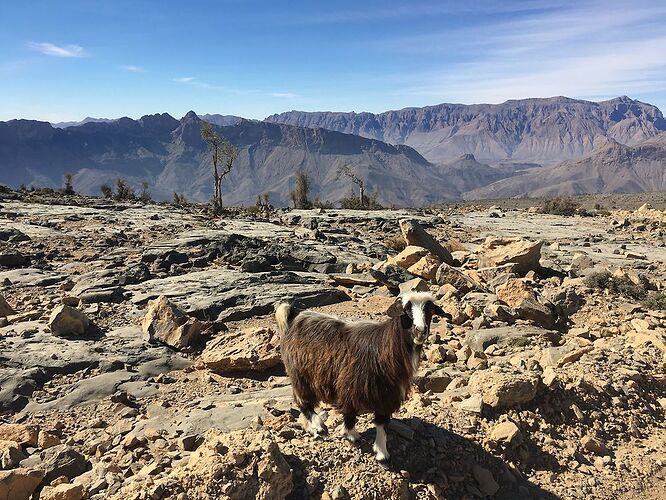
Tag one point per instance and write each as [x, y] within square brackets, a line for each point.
[47, 440]
[506, 432]
[593, 445]
[66, 320]
[473, 404]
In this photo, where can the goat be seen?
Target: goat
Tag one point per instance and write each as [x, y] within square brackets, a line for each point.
[357, 367]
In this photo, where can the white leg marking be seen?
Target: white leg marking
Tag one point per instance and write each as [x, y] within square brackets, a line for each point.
[350, 435]
[315, 426]
[380, 444]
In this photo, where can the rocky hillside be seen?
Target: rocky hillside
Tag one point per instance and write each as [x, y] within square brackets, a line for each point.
[171, 156]
[139, 358]
[543, 131]
[611, 168]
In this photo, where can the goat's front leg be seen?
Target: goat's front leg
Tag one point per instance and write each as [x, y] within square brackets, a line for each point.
[312, 422]
[347, 430]
[381, 453]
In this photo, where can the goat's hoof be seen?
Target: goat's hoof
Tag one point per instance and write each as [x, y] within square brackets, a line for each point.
[384, 462]
[352, 436]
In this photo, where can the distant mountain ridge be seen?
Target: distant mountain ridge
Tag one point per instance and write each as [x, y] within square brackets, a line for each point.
[171, 156]
[539, 130]
[611, 168]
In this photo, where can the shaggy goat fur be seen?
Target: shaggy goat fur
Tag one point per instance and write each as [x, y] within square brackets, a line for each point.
[357, 367]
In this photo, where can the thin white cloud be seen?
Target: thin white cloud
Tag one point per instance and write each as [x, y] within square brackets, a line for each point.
[185, 79]
[285, 95]
[133, 69]
[578, 52]
[51, 49]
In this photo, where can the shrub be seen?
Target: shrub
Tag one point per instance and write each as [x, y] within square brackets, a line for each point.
[617, 285]
[353, 202]
[179, 200]
[655, 301]
[107, 192]
[68, 188]
[560, 206]
[123, 190]
[145, 196]
[317, 203]
[300, 196]
[396, 243]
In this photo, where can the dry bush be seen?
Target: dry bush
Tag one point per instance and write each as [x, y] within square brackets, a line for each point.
[396, 243]
[616, 285]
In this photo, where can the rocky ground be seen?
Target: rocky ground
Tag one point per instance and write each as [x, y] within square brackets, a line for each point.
[138, 356]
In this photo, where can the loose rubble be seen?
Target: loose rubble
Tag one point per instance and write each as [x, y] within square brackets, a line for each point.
[140, 359]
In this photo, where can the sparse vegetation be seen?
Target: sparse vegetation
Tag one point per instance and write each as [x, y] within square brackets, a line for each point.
[68, 188]
[145, 196]
[300, 196]
[123, 191]
[396, 243]
[223, 156]
[617, 285]
[560, 206]
[353, 202]
[179, 200]
[655, 301]
[347, 172]
[106, 190]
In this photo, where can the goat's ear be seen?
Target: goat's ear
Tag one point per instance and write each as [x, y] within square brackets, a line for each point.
[396, 310]
[439, 311]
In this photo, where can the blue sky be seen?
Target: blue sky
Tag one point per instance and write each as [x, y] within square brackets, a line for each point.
[64, 60]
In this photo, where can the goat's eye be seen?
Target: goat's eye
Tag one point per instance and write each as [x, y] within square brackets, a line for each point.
[407, 308]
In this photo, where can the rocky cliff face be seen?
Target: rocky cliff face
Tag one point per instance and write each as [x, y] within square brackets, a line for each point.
[611, 168]
[544, 131]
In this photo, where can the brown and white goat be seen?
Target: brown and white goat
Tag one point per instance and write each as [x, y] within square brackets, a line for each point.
[357, 367]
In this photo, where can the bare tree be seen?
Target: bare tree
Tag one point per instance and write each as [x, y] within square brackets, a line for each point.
[223, 156]
[348, 172]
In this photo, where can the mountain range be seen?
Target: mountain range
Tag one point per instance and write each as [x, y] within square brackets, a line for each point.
[544, 131]
[414, 156]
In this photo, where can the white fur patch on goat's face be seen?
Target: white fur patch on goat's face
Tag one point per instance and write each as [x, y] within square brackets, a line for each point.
[415, 305]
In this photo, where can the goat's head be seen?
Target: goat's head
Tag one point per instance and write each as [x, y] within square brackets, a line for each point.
[415, 310]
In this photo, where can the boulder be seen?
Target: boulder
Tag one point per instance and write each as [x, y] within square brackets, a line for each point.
[426, 267]
[507, 433]
[504, 389]
[61, 460]
[414, 285]
[64, 491]
[5, 308]
[10, 454]
[524, 254]
[517, 336]
[391, 276]
[559, 356]
[255, 349]
[447, 274]
[415, 235]
[19, 484]
[518, 295]
[66, 320]
[165, 323]
[23, 434]
[581, 264]
[408, 257]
